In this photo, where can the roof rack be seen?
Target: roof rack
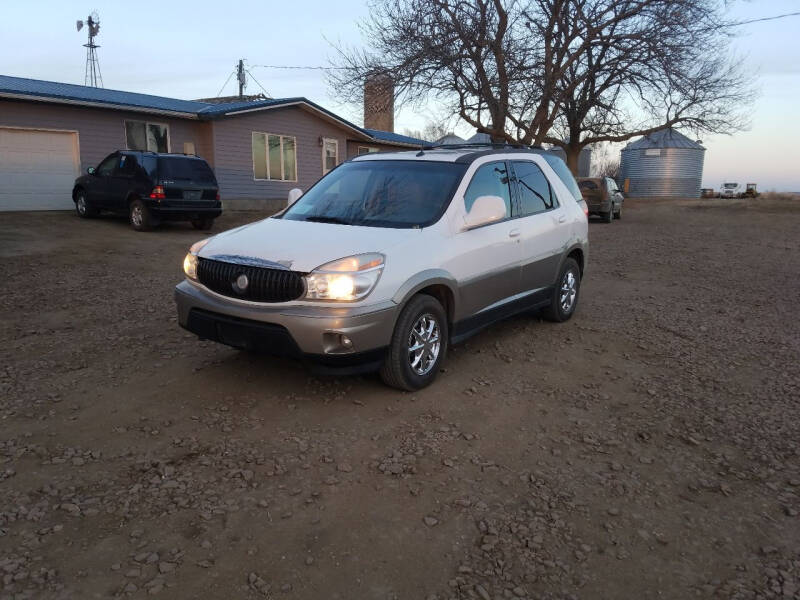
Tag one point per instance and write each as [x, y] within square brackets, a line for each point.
[479, 145]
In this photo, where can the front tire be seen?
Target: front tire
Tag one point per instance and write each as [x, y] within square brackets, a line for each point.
[418, 346]
[608, 217]
[139, 216]
[618, 214]
[82, 206]
[565, 296]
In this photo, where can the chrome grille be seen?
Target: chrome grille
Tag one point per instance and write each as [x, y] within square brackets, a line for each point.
[263, 284]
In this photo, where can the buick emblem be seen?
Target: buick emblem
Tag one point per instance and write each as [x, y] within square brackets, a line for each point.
[241, 283]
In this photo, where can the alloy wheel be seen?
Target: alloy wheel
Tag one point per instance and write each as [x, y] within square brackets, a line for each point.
[424, 344]
[136, 216]
[568, 292]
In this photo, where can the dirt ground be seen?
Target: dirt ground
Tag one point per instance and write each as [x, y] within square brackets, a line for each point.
[648, 448]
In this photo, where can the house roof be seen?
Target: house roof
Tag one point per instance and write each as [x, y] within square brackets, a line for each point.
[67, 93]
[665, 138]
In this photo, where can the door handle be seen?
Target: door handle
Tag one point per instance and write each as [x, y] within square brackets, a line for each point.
[513, 233]
[562, 218]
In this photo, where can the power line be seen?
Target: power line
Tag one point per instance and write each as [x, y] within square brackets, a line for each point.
[219, 93]
[266, 93]
[312, 68]
[776, 17]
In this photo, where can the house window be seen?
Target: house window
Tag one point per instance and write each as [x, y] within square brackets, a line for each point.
[330, 154]
[366, 150]
[144, 136]
[274, 157]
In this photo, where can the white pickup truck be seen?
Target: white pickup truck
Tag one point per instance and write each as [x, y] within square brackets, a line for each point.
[729, 190]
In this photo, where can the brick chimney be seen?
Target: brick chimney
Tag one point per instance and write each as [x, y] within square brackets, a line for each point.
[379, 101]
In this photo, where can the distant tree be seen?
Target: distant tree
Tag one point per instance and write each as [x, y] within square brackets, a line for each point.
[534, 71]
[431, 132]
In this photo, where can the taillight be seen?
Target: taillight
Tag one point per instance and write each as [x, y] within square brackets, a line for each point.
[585, 207]
[217, 195]
[158, 193]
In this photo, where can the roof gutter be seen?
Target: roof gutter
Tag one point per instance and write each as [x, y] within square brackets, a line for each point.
[108, 105]
[301, 103]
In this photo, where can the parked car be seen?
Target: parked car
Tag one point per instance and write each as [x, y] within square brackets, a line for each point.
[392, 257]
[729, 190]
[602, 196]
[150, 188]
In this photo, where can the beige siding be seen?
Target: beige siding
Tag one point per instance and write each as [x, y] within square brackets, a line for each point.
[233, 158]
[100, 131]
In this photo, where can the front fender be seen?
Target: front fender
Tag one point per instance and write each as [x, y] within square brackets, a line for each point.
[424, 279]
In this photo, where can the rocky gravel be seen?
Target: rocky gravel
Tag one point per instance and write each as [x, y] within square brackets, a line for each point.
[648, 448]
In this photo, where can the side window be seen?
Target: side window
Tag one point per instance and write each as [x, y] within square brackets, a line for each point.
[150, 165]
[564, 174]
[489, 180]
[535, 195]
[106, 167]
[127, 166]
[612, 185]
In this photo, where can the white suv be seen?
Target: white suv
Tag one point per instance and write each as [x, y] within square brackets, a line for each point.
[391, 257]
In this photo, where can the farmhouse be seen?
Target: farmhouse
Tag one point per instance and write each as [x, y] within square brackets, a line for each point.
[50, 132]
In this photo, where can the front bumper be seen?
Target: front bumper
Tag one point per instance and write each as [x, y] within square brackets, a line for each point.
[302, 332]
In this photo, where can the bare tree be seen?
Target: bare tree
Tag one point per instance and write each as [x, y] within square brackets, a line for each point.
[667, 66]
[525, 71]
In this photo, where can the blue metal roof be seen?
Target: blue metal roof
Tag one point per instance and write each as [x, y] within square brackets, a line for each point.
[68, 92]
[71, 93]
[388, 136]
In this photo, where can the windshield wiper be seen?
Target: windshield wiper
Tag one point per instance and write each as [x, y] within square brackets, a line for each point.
[321, 219]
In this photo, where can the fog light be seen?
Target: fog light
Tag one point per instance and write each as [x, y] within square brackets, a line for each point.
[334, 342]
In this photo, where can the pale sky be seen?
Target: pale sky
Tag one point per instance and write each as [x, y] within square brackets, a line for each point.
[187, 49]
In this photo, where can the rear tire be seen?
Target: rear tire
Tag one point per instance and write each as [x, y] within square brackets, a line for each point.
[139, 216]
[203, 224]
[418, 346]
[82, 206]
[566, 293]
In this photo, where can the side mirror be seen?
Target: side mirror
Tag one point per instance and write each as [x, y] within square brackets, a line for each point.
[485, 210]
[90, 170]
[294, 195]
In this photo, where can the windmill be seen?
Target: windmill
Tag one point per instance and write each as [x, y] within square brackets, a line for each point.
[92, 76]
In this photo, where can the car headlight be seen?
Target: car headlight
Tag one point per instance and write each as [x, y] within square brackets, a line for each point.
[191, 260]
[346, 279]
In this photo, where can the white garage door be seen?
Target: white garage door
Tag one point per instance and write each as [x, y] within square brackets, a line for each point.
[37, 169]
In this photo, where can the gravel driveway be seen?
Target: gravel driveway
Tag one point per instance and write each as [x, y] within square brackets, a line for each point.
[648, 448]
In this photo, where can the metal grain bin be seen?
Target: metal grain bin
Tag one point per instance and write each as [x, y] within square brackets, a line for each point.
[665, 164]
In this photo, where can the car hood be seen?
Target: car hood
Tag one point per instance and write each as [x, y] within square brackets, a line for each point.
[300, 245]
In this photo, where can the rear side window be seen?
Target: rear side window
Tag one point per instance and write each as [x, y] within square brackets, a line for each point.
[535, 195]
[489, 180]
[587, 185]
[150, 164]
[563, 172]
[185, 169]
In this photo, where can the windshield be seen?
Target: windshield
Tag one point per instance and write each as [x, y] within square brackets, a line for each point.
[380, 193]
[191, 169]
[731, 185]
